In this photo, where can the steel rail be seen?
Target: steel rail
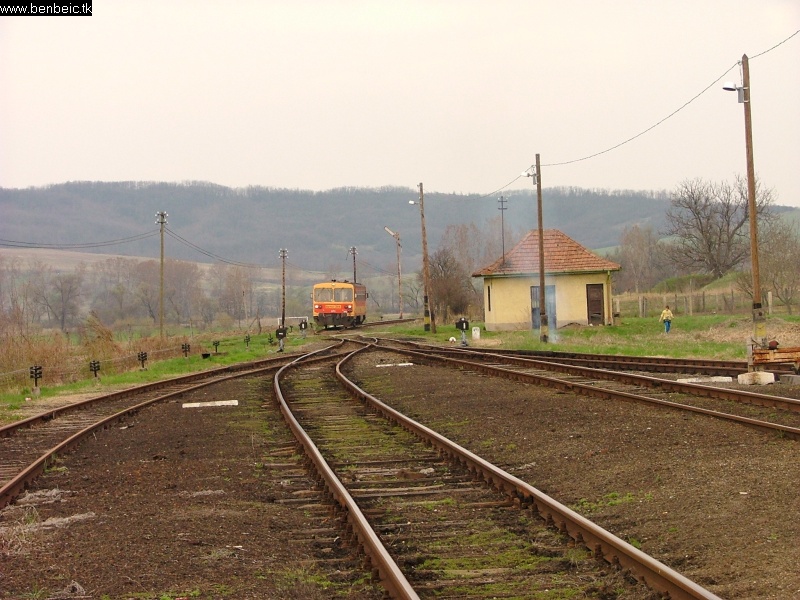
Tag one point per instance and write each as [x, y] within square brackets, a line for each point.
[707, 366]
[365, 325]
[604, 544]
[611, 394]
[9, 428]
[380, 561]
[668, 385]
[20, 482]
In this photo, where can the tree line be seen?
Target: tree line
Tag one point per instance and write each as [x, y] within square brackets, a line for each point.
[706, 236]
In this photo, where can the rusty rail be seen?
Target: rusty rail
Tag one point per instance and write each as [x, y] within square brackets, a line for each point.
[380, 561]
[603, 543]
[20, 482]
[766, 400]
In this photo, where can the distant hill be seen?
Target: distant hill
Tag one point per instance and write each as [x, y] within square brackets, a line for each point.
[250, 225]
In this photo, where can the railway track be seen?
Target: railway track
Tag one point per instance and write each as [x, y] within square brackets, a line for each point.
[362, 326]
[28, 446]
[383, 478]
[649, 364]
[411, 495]
[775, 414]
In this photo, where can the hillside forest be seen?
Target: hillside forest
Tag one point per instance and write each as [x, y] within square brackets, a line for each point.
[221, 266]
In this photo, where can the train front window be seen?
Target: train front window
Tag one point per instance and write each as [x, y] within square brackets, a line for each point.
[343, 295]
[323, 295]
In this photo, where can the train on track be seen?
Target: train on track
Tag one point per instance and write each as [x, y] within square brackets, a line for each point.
[339, 304]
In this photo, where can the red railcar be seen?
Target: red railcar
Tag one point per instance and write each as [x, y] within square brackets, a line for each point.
[339, 304]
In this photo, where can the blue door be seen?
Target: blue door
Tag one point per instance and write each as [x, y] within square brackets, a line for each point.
[550, 306]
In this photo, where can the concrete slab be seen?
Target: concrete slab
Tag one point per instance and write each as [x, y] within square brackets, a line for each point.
[756, 378]
[715, 379]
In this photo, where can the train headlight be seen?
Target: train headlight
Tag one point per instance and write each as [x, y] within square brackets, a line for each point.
[349, 307]
[317, 307]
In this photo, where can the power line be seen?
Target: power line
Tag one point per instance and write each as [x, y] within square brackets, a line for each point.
[669, 116]
[20, 244]
[377, 269]
[641, 133]
[175, 236]
[775, 46]
[499, 189]
[186, 242]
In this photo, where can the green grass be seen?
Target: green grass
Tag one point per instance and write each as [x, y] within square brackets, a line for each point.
[231, 350]
[703, 336]
[706, 336]
[587, 506]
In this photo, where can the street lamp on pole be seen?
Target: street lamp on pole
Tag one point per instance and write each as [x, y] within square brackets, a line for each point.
[535, 172]
[282, 255]
[396, 237]
[502, 208]
[161, 219]
[430, 321]
[759, 320]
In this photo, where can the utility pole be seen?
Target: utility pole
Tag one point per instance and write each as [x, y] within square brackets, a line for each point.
[353, 250]
[759, 320]
[161, 217]
[535, 172]
[502, 208]
[396, 237]
[283, 254]
[430, 321]
[544, 330]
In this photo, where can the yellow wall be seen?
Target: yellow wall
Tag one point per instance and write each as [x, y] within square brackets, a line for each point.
[511, 300]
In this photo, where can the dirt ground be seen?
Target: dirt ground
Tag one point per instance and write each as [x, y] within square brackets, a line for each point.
[211, 503]
[179, 503]
[715, 501]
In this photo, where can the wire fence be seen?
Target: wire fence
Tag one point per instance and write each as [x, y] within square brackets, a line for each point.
[62, 361]
[69, 369]
[730, 302]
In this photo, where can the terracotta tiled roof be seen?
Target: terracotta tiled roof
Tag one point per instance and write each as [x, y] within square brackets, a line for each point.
[562, 254]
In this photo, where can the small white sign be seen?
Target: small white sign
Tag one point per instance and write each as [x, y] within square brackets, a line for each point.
[714, 379]
[214, 403]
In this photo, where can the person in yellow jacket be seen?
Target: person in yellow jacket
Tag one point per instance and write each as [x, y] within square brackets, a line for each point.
[666, 318]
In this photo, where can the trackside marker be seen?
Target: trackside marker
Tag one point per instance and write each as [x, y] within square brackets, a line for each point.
[214, 403]
[714, 379]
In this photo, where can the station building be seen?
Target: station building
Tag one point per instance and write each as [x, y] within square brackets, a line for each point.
[577, 285]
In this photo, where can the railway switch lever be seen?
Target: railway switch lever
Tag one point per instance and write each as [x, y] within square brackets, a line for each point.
[463, 326]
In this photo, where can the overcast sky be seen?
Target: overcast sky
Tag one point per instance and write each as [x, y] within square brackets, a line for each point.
[458, 94]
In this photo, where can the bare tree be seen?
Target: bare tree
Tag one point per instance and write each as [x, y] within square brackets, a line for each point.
[237, 285]
[18, 310]
[183, 291]
[59, 293]
[451, 287]
[709, 223]
[114, 285]
[148, 287]
[779, 255]
[638, 257]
